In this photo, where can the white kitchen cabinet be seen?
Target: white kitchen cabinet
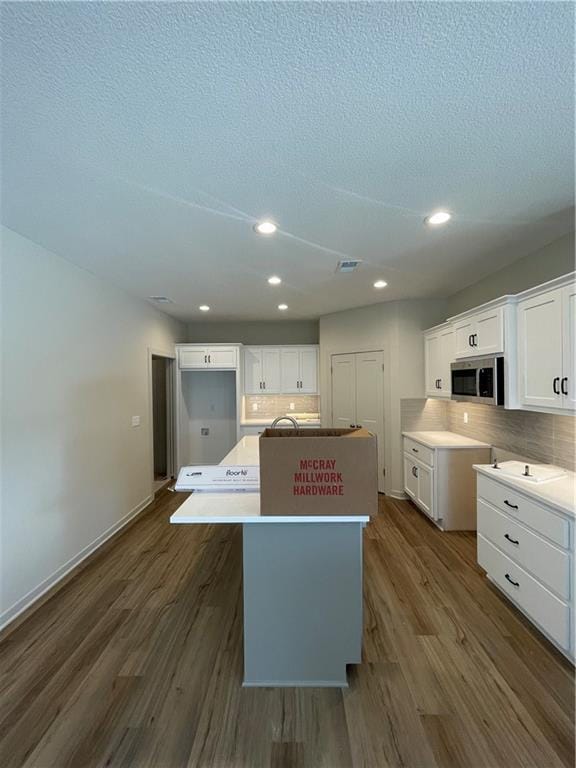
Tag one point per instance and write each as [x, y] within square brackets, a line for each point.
[262, 370]
[199, 356]
[439, 349]
[480, 333]
[439, 476]
[526, 548]
[299, 370]
[546, 348]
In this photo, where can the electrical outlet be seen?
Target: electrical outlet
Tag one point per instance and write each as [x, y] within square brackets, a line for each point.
[135, 421]
[254, 406]
[292, 406]
[204, 431]
[465, 417]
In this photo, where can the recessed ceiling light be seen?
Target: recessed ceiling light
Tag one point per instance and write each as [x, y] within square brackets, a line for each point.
[282, 307]
[274, 280]
[161, 299]
[265, 228]
[380, 284]
[440, 217]
[204, 308]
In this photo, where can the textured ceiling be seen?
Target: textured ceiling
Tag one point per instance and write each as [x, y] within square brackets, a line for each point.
[141, 140]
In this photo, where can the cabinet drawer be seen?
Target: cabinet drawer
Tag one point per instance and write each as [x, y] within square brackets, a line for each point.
[546, 562]
[527, 511]
[419, 451]
[548, 611]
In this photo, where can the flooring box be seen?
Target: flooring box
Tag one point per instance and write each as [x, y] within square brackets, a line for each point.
[318, 472]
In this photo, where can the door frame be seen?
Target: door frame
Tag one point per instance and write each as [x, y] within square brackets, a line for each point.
[170, 356]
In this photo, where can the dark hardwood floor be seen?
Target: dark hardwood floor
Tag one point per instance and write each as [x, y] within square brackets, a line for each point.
[137, 662]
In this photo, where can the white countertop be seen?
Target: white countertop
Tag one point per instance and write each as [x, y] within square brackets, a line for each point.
[445, 440]
[244, 506]
[284, 424]
[559, 494]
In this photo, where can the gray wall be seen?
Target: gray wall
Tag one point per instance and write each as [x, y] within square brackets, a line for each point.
[554, 260]
[74, 372]
[275, 332]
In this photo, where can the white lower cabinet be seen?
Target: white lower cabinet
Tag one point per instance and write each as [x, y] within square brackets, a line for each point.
[440, 481]
[527, 550]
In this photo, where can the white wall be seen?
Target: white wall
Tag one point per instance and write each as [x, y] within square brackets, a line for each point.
[261, 332]
[396, 328]
[74, 372]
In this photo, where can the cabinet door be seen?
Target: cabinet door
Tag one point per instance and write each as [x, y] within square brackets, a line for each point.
[425, 489]
[343, 391]
[271, 371]
[309, 371]
[410, 478]
[540, 350]
[252, 371]
[431, 363]
[447, 342]
[222, 357]
[463, 334]
[489, 332]
[290, 371]
[193, 357]
[569, 346]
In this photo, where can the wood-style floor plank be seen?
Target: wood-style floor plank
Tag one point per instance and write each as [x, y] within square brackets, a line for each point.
[137, 663]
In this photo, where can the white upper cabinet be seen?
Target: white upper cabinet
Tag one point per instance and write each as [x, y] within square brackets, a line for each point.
[439, 351]
[191, 356]
[280, 370]
[546, 348]
[261, 370]
[480, 333]
[299, 369]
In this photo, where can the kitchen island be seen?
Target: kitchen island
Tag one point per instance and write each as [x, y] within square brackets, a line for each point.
[302, 584]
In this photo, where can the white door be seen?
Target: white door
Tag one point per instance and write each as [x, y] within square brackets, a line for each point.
[309, 371]
[424, 496]
[410, 478]
[343, 391]
[540, 350]
[464, 338]
[222, 357]
[447, 342]
[290, 371]
[489, 332]
[568, 383]
[271, 371]
[431, 363]
[252, 370]
[370, 401]
[193, 357]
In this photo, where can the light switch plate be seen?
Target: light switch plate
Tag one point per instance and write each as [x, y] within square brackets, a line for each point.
[254, 406]
[204, 431]
[135, 421]
[292, 406]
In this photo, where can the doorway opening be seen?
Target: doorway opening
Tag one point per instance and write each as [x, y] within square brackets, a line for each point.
[358, 397]
[162, 421]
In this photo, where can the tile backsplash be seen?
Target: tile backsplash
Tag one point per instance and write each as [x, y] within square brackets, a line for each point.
[278, 405]
[543, 437]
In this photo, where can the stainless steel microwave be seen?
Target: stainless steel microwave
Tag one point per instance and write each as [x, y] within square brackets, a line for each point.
[478, 380]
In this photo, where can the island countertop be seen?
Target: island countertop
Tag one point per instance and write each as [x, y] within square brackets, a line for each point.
[243, 507]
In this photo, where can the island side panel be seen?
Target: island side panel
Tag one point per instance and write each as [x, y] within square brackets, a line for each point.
[302, 603]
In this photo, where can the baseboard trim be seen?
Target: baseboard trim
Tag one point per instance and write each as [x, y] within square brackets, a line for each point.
[19, 612]
[397, 494]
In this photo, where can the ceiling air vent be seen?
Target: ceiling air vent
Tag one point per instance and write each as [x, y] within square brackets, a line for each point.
[161, 299]
[348, 265]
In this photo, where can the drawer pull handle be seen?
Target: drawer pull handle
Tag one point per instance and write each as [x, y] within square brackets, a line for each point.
[415, 450]
[508, 504]
[511, 540]
[556, 385]
[564, 385]
[515, 583]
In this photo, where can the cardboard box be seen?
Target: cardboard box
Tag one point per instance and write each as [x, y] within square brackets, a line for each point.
[318, 472]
